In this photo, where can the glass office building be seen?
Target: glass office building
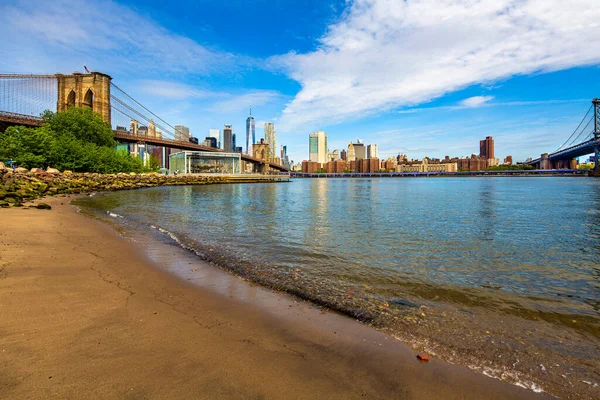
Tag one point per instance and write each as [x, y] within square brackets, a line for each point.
[205, 162]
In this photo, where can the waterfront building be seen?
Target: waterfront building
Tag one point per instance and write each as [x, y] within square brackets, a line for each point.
[336, 166]
[193, 140]
[317, 147]
[343, 155]
[215, 133]
[260, 150]
[250, 132]
[360, 151]
[508, 160]
[271, 139]
[182, 133]
[486, 148]
[389, 164]
[372, 151]
[473, 163]
[333, 155]
[351, 155]
[205, 162]
[228, 138]
[309, 167]
[425, 166]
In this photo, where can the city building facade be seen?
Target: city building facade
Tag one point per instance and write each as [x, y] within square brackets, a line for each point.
[426, 166]
[228, 138]
[271, 139]
[486, 148]
[182, 133]
[351, 156]
[317, 147]
[372, 151]
[250, 132]
[215, 133]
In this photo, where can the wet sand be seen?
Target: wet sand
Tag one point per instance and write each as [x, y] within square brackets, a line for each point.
[85, 313]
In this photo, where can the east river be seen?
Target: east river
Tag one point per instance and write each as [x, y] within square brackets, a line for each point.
[498, 274]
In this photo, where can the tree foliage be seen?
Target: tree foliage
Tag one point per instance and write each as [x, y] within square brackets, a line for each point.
[77, 139]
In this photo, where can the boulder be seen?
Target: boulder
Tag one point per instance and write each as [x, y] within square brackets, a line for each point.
[37, 171]
[132, 174]
[52, 171]
[21, 170]
[43, 206]
[67, 172]
[2, 166]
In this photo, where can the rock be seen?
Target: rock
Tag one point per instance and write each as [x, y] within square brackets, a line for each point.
[43, 206]
[422, 357]
[2, 166]
[67, 172]
[132, 174]
[34, 170]
[403, 302]
[52, 171]
[4, 204]
[21, 170]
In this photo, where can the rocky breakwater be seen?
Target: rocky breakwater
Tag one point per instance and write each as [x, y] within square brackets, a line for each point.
[23, 185]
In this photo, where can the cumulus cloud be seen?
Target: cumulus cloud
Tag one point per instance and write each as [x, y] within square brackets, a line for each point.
[387, 53]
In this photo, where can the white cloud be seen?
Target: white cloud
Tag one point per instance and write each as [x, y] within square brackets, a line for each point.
[62, 35]
[388, 53]
[476, 101]
[484, 101]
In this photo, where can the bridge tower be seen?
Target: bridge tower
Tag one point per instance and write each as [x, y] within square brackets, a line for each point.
[84, 90]
[596, 104]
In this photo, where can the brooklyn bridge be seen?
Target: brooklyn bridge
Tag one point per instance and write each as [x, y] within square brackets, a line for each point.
[24, 97]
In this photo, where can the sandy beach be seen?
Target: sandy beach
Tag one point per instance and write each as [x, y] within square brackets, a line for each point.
[85, 313]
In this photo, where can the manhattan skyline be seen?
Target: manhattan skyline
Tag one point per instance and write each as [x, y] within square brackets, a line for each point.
[311, 67]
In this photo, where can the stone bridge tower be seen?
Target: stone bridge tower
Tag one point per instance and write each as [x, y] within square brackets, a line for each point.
[85, 90]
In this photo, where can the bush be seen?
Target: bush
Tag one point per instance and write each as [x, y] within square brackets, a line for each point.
[77, 140]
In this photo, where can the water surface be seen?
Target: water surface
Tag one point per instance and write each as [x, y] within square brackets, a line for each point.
[500, 274]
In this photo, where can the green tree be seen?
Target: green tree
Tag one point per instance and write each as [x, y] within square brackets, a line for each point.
[30, 147]
[77, 140]
[81, 123]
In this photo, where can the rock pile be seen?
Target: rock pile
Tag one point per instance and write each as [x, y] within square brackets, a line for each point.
[23, 185]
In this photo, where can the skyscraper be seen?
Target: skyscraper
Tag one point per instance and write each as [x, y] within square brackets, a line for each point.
[372, 151]
[486, 147]
[271, 138]
[228, 138]
[214, 133]
[351, 155]
[250, 131]
[182, 133]
[317, 147]
[360, 151]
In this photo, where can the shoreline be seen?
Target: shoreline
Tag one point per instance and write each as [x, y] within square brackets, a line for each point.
[85, 312]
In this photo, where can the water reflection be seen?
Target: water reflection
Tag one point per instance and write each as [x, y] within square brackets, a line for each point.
[526, 236]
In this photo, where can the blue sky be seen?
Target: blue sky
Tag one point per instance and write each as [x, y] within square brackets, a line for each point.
[420, 77]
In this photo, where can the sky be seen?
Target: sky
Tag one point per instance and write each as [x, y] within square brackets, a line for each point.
[418, 77]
